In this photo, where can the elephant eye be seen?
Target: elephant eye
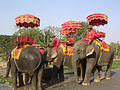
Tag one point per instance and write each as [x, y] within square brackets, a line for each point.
[78, 51]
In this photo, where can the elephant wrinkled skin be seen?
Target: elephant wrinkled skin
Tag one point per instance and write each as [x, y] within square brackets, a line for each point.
[63, 60]
[30, 63]
[95, 59]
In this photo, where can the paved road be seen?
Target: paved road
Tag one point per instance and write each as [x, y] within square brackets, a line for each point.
[113, 84]
[69, 84]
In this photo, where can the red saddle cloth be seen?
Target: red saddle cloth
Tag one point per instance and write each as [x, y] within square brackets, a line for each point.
[16, 51]
[67, 50]
[103, 46]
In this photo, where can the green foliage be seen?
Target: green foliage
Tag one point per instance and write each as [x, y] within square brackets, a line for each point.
[10, 81]
[47, 37]
[40, 37]
[80, 33]
[5, 43]
[2, 80]
[116, 47]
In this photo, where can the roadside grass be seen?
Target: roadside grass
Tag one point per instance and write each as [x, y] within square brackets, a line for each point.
[115, 65]
[1, 79]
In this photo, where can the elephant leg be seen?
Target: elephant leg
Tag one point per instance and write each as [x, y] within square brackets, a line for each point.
[39, 84]
[14, 75]
[108, 75]
[102, 75]
[96, 77]
[34, 81]
[109, 66]
[26, 78]
[74, 66]
[8, 69]
[81, 72]
[61, 73]
[89, 68]
[20, 79]
[54, 75]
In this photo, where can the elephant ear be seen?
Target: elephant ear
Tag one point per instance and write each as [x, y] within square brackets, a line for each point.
[89, 50]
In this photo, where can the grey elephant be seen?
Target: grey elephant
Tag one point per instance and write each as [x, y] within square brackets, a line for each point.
[95, 59]
[30, 62]
[60, 61]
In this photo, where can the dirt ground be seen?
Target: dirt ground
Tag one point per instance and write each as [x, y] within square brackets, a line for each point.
[3, 66]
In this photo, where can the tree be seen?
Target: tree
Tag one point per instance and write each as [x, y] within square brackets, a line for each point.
[6, 42]
[116, 47]
[80, 33]
[48, 31]
[35, 33]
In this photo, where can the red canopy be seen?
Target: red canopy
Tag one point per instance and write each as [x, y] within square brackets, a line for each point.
[27, 20]
[70, 27]
[97, 19]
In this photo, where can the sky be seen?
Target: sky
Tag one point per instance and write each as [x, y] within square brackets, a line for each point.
[56, 12]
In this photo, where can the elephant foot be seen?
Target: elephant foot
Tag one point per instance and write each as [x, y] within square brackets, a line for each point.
[14, 88]
[96, 80]
[77, 81]
[41, 89]
[102, 77]
[80, 79]
[85, 83]
[108, 78]
[22, 84]
[53, 82]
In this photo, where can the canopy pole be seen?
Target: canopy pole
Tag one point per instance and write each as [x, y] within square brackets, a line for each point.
[97, 26]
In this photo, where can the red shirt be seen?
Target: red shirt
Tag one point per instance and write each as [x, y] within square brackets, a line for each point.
[55, 43]
[42, 51]
[90, 36]
[71, 40]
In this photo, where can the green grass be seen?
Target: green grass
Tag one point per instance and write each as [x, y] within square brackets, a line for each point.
[115, 65]
[10, 81]
[68, 70]
[1, 79]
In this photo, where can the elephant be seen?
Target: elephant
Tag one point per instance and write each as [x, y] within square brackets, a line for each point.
[8, 68]
[31, 63]
[95, 59]
[62, 60]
